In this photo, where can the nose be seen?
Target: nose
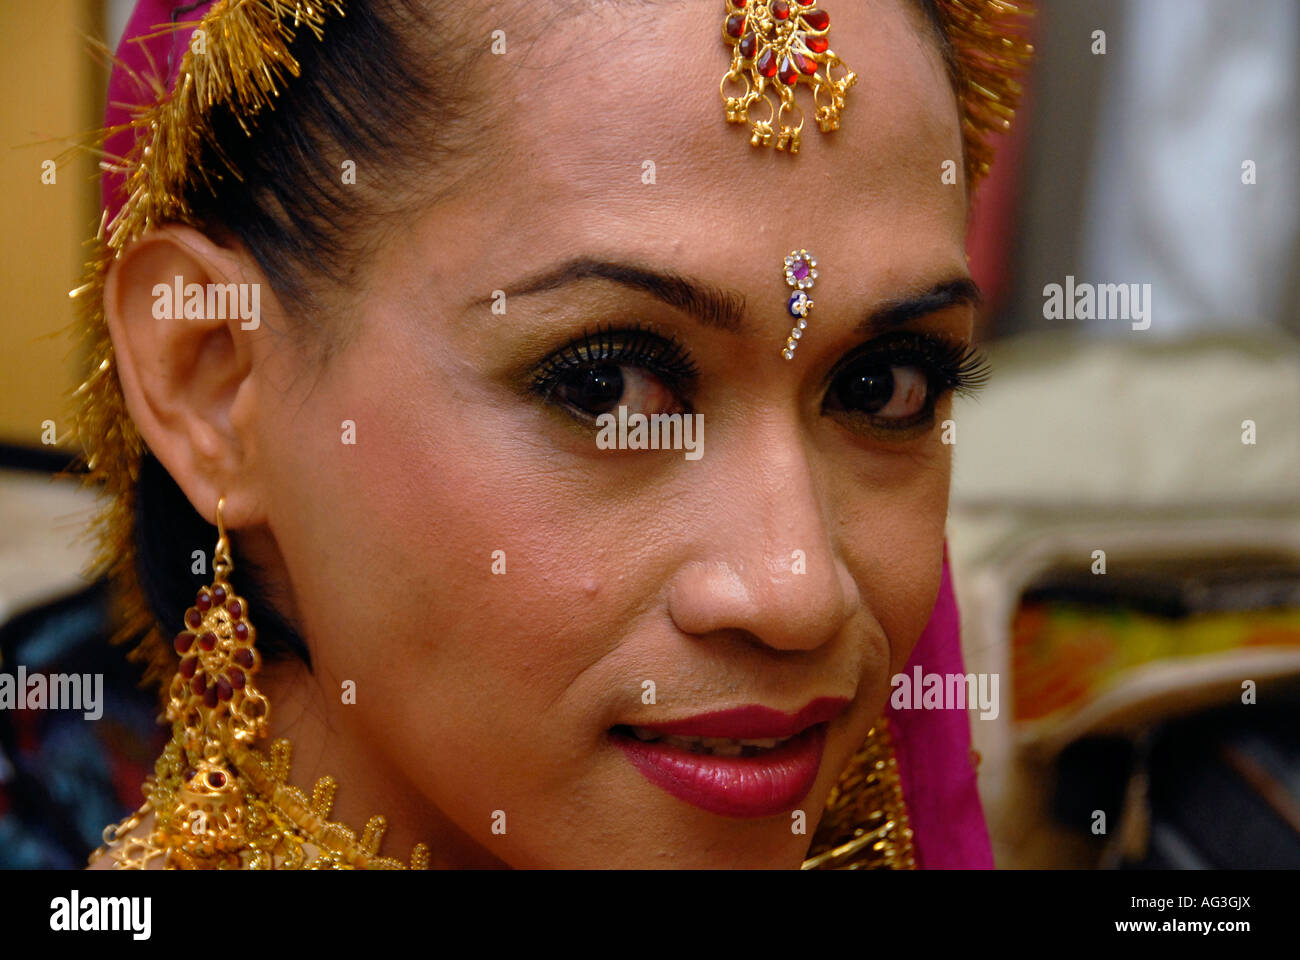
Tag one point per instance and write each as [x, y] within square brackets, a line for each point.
[765, 563]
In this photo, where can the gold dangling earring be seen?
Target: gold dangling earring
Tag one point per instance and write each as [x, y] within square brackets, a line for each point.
[215, 708]
[218, 802]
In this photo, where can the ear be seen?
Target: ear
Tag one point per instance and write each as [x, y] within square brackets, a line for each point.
[185, 364]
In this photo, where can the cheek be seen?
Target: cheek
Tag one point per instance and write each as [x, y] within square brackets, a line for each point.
[449, 570]
[892, 534]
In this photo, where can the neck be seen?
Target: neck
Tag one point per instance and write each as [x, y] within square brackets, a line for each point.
[327, 741]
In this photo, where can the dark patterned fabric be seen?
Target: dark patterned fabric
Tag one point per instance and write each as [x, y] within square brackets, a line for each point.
[64, 777]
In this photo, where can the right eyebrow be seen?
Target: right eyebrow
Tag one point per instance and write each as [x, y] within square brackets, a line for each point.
[709, 305]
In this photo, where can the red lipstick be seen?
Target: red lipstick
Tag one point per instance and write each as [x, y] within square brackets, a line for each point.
[770, 782]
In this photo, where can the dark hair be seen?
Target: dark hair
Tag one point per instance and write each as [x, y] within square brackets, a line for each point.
[364, 94]
[930, 10]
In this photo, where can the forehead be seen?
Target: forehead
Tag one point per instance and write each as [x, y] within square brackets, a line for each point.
[608, 136]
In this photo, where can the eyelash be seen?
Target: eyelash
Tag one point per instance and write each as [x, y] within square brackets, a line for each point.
[947, 364]
[637, 346]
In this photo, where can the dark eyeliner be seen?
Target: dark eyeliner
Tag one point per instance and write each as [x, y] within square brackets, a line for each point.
[639, 345]
[948, 365]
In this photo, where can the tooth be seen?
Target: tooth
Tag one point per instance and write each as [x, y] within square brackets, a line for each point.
[644, 733]
[718, 746]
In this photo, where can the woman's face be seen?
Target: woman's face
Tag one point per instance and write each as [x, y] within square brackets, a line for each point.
[502, 591]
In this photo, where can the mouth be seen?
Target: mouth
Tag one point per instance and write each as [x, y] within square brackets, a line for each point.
[746, 763]
[713, 746]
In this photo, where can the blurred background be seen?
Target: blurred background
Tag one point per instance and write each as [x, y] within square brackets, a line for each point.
[1125, 519]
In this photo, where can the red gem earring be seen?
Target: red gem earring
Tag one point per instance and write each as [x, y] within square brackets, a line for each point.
[214, 705]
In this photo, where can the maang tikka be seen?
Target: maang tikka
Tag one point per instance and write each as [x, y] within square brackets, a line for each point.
[778, 44]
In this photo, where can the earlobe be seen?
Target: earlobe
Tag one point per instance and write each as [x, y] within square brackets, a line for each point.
[182, 314]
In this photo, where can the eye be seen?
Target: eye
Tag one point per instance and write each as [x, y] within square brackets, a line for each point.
[895, 382]
[603, 389]
[887, 392]
[633, 367]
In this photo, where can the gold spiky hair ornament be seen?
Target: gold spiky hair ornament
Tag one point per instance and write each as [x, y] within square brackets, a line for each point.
[236, 56]
[779, 44]
[215, 801]
[991, 53]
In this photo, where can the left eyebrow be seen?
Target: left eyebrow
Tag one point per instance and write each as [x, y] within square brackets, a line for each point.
[959, 291]
[724, 309]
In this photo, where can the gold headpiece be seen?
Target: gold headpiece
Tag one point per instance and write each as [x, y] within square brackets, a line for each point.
[778, 44]
[786, 41]
[246, 61]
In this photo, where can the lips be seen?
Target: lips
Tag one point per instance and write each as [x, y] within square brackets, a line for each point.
[752, 722]
[701, 760]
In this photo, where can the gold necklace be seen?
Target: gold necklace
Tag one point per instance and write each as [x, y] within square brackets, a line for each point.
[217, 802]
[864, 827]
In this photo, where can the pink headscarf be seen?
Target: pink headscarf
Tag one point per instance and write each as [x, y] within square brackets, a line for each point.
[138, 59]
[932, 746]
[933, 749]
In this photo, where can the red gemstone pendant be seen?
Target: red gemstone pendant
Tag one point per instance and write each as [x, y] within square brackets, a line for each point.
[782, 40]
[817, 19]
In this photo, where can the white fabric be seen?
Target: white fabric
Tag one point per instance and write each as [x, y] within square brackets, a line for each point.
[1195, 88]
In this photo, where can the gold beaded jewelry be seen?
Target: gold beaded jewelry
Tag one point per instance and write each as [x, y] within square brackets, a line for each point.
[865, 825]
[777, 44]
[216, 801]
